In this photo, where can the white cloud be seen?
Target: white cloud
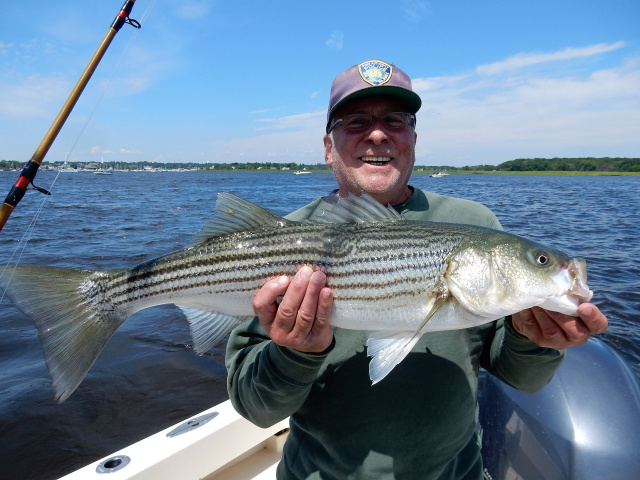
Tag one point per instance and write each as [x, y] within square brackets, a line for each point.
[336, 40]
[528, 59]
[292, 122]
[474, 118]
[295, 138]
[415, 9]
[191, 9]
[141, 70]
[35, 96]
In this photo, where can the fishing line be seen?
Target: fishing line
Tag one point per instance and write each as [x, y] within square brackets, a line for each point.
[22, 244]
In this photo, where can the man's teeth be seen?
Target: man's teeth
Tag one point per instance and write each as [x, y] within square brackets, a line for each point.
[376, 160]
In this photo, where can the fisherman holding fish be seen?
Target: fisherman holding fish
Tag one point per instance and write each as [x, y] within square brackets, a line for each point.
[364, 316]
[420, 421]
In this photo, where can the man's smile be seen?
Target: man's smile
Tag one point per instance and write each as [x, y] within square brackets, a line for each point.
[376, 160]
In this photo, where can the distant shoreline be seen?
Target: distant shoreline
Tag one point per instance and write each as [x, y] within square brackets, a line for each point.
[416, 172]
[532, 172]
[603, 166]
[465, 172]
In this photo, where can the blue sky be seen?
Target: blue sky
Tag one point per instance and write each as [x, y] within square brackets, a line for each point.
[238, 81]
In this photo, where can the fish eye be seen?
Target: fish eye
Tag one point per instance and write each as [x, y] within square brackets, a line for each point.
[542, 258]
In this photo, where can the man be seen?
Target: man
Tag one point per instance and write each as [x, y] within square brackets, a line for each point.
[420, 421]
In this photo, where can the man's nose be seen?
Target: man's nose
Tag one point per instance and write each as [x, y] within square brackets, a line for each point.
[377, 133]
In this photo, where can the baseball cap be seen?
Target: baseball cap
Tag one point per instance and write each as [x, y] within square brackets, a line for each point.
[373, 77]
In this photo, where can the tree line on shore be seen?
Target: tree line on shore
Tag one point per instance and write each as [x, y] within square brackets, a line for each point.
[586, 164]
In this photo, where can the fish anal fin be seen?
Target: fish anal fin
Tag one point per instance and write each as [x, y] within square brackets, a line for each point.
[208, 327]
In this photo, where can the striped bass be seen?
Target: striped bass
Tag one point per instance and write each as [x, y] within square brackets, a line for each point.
[397, 279]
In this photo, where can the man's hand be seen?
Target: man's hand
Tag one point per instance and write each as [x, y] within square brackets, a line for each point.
[557, 330]
[301, 320]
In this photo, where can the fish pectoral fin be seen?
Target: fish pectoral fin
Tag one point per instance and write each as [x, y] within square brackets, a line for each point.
[388, 349]
[233, 214]
[208, 328]
[435, 302]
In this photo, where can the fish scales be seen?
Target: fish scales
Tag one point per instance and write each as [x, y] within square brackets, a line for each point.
[386, 264]
[363, 262]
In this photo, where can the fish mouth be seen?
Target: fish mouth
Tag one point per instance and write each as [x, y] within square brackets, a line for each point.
[578, 287]
[375, 160]
[573, 281]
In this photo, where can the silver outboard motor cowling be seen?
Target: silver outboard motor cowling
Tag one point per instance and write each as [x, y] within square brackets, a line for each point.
[585, 424]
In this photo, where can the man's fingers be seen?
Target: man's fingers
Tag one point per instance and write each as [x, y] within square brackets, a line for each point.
[325, 307]
[307, 313]
[292, 301]
[265, 301]
[301, 320]
[593, 318]
[557, 330]
[549, 328]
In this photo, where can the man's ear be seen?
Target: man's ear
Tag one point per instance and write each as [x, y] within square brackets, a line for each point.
[328, 148]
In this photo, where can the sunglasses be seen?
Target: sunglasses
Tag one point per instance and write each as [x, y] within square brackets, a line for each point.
[360, 122]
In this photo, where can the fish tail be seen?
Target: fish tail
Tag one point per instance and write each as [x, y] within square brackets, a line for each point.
[73, 325]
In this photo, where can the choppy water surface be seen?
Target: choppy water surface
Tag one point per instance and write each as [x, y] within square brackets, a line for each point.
[148, 377]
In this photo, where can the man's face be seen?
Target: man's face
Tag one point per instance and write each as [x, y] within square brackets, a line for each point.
[379, 160]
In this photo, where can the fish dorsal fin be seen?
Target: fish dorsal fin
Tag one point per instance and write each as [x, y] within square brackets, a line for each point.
[233, 214]
[362, 209]
[208, 328]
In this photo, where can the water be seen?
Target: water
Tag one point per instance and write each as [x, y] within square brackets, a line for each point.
[148, 377]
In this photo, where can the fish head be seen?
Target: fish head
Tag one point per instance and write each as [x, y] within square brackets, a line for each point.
[502, 274]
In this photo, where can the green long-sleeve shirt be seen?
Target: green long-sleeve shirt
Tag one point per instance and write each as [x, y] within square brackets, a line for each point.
[419, 422]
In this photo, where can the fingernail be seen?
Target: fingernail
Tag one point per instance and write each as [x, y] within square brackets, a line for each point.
[588, 311]
[318, 277]
[305, 273]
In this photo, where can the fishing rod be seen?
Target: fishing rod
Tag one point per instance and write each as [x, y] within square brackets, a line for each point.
[31, 168]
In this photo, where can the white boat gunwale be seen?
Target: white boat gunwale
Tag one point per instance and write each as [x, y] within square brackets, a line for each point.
[226, 447]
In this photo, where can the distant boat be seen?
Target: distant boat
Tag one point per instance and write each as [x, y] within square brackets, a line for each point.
[66, 168]
[102, 171]
[301, 172]
[438, 174]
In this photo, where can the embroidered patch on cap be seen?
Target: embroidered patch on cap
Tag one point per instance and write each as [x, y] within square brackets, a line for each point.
[375, 72]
